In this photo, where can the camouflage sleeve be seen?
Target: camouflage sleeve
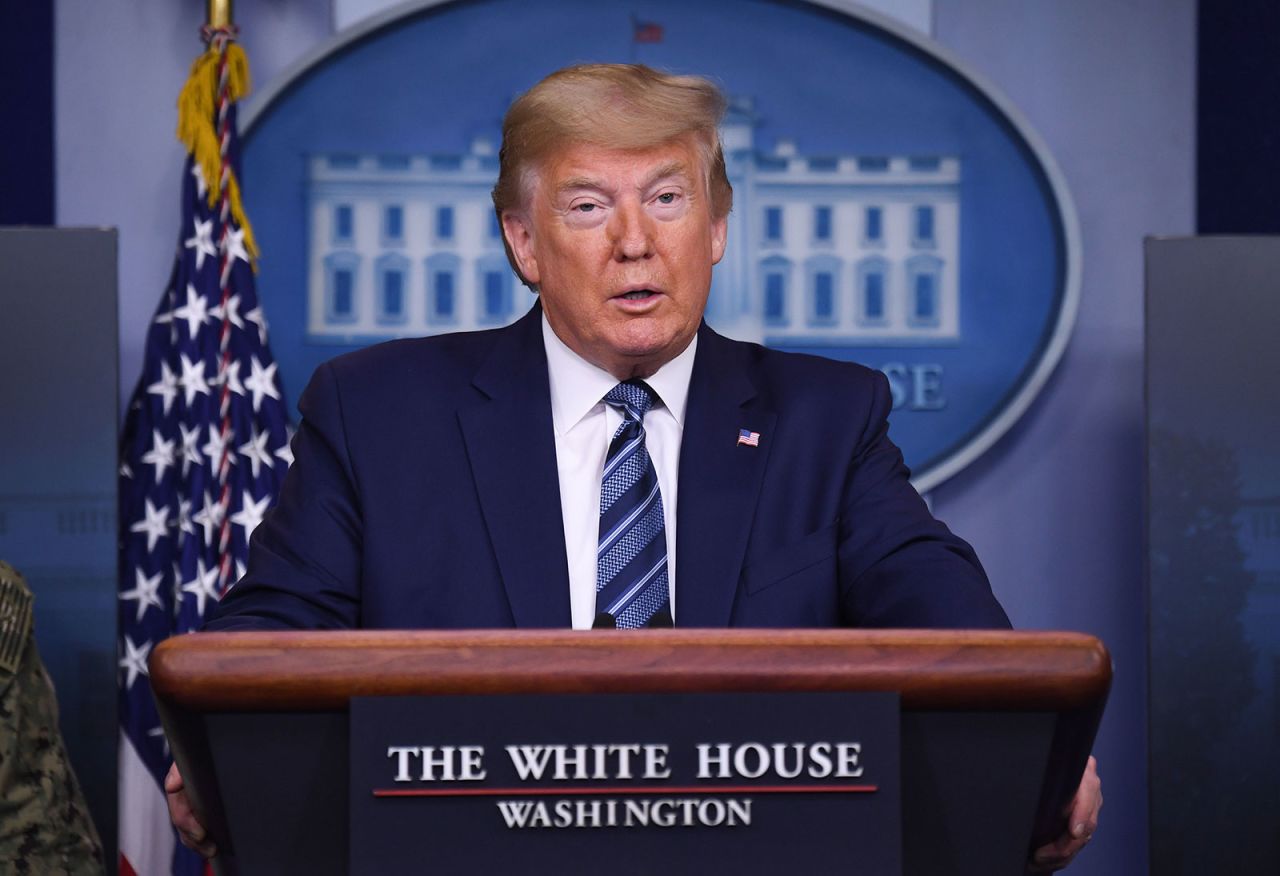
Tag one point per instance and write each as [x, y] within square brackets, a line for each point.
[45, 826]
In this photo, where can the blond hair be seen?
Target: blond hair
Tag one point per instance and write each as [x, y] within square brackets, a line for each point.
[616, 106]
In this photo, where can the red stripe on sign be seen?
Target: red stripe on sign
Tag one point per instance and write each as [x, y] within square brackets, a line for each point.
[624, 791]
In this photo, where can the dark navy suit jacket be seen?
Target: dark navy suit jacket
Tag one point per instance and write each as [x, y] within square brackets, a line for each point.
[424, 494]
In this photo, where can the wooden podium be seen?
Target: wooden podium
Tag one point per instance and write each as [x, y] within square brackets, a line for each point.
[996, 726]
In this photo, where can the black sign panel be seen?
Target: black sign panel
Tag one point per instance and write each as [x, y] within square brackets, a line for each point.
[626, 783]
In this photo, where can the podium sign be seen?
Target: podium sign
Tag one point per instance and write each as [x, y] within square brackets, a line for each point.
[629, 783]
[994, 731]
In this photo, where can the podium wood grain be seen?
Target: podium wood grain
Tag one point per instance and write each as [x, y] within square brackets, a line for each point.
[1008, 671]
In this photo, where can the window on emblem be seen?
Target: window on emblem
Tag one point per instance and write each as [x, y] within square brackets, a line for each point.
[872, 292]
[341, 290]
[873, 297]
[923, 225]
[442, 304]
[442, 288]
[774, 273]
[444, 223]
[824, 306]
[925, 305]
[822, 224]
[393, 223]
[822, 275]
[344, 223]
[874, 225]
[392, 272]
[344, 284]
[924, 291]
[775, 298]
[497, 300]
[773, 224]
[392, 296]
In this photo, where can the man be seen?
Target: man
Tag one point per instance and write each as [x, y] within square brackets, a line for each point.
[609, 439]
[45, 827]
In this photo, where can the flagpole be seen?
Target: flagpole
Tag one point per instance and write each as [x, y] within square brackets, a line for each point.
[219, 14]
[220, 31]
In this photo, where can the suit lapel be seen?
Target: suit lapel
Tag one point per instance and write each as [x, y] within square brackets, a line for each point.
[511, 446]
[719, 481]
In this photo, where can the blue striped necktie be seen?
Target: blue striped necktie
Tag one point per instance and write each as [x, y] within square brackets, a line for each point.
[631, 558]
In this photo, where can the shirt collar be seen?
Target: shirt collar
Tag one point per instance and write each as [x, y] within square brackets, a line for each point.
[577, 386]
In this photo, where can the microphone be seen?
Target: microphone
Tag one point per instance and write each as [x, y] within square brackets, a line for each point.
[605, 621]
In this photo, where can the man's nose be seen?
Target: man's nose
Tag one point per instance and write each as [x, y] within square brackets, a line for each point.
[632, 232]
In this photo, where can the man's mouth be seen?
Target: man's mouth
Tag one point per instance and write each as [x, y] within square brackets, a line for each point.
[637, 294]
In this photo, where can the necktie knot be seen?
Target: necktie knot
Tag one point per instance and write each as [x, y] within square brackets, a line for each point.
[633, 397]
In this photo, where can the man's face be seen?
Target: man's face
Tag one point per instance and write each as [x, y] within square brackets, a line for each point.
[620, 245]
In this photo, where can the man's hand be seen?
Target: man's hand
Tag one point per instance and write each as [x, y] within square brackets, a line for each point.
[1082, 821]
[190, 831]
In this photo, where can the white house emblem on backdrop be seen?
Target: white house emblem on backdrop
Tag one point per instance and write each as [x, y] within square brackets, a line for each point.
[890, 208]
[842, 249]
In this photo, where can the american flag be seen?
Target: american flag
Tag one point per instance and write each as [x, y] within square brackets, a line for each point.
[749, 438]
[645, 31]
[204, 449]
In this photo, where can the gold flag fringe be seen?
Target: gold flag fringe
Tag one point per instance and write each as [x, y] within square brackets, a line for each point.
[197, 110]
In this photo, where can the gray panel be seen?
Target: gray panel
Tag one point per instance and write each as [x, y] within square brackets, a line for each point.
[58, 355]
[1213, 461]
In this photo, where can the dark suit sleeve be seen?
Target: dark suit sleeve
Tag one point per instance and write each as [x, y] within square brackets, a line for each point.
[899, 566]
[305, 557]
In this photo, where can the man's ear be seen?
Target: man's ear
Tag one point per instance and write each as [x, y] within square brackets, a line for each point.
[719, 237]
[519, 234]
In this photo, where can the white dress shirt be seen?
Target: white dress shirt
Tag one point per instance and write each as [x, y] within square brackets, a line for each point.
[584, 426]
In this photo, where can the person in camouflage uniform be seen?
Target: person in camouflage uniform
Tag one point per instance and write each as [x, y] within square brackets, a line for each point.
[45, 826]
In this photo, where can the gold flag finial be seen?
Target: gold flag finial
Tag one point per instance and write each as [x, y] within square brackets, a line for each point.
[219, 13]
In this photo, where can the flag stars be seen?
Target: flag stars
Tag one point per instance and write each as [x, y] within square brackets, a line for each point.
[210, 517]
[160, 455]
[166, 317]
[145, 592]
[204, 586]
[155, 524]
[158, 732]
[215, 447]
[230, 312]
[134, 661]
[258, 318]
[232, 246]
[250, 513]
[256, 451]
[166, 387]
[192, 380]
[261, 382]
[231, 376]
[177, 589]
[182, 523]
[202, 187]
[285, 452]
[190, 448]
[202, 241]
[195, 311]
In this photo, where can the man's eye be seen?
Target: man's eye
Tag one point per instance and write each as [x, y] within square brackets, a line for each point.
[667, 198]
[584, 208]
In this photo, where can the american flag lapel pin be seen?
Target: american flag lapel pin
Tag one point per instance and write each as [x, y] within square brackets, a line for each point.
[749, 438]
